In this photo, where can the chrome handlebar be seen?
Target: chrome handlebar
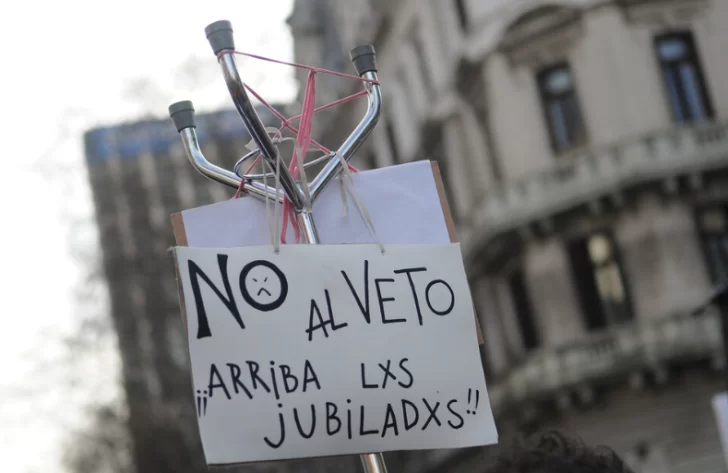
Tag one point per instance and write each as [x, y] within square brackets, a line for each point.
[220, 36]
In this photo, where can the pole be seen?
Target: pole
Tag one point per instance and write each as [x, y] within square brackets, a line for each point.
[220, 37]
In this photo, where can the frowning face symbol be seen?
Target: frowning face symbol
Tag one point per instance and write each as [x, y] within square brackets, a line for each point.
[263, 285]
[262, 289]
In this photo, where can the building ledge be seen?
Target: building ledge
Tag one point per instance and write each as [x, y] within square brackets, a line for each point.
[609, 356]
[588, 176]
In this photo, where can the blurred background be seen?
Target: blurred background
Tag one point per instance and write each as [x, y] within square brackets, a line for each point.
[583, 144]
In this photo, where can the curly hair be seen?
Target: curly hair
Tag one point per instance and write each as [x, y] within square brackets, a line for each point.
[554, 452]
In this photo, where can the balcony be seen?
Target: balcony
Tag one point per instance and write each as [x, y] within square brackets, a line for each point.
[609, 355]
[587, 177]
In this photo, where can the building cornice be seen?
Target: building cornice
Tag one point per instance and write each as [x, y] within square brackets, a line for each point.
[592, 179]
[631, 353]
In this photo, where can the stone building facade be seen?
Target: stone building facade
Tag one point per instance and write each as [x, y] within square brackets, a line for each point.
[584, 144]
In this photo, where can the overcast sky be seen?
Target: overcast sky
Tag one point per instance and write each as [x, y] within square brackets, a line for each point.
[68, 66]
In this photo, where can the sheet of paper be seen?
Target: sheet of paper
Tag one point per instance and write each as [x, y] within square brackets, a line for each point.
[402, 201]
[324, 350]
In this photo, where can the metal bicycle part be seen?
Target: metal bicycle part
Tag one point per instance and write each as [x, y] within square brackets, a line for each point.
[268, 175]
[220, 37]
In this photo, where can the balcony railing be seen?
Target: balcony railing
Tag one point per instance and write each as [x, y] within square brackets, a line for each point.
[608, 355]
[593, 174]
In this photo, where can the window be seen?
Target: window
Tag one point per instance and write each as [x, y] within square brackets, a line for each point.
[683, 78]
[523, 309]
[561, 107]
[462, 13]
[599, 281]
[713, 229]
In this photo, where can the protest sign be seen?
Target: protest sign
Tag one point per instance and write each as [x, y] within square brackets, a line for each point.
[323, 350]
[407, 204]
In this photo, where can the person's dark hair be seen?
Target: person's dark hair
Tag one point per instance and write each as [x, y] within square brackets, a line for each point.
[554, 452]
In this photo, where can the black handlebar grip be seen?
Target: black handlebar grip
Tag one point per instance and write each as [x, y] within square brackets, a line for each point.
[183, 115]
[364, 58]
[220, 36]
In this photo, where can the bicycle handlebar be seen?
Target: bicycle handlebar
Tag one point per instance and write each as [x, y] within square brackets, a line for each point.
[220, 36]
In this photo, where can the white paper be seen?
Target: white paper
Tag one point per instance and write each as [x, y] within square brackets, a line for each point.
[402, 201]
[433, 354]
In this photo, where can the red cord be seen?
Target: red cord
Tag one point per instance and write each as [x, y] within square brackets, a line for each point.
[303, 133]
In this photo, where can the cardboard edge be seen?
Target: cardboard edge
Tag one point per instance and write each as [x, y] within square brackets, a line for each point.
[451, 230]
[440, 185]
[180, 236]
[178, 226]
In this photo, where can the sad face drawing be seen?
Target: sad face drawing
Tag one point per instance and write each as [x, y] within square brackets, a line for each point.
[263, 285]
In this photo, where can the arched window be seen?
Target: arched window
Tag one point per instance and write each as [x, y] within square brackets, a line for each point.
[561, 107]
[683, 77]
[599, 281]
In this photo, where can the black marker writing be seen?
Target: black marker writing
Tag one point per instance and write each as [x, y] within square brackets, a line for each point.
[251, 383]
[287, 376]
[390, 421]
[382, 300]
[364, 307]
[452, 297]
[282, 430]
[439, 302]
[408, 272]
[313, 423]
[453, 412]
[259, 295]
[405, 417]
[396, 418]
[321, 325]
[331, 411]
[273, 379]
[216, 382]
[196, 273]
[254, 368]
[386, 372]
[407, 372]
[362, 431]
[235, 373]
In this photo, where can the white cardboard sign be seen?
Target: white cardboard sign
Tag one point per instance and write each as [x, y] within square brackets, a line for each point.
[325, 350]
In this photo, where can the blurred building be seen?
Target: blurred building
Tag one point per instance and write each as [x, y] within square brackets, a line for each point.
[139, 176]
[584, 144]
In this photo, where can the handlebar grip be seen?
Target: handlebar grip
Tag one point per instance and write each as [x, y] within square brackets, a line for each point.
[220, 36]
[182, 114]
[364, 58]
